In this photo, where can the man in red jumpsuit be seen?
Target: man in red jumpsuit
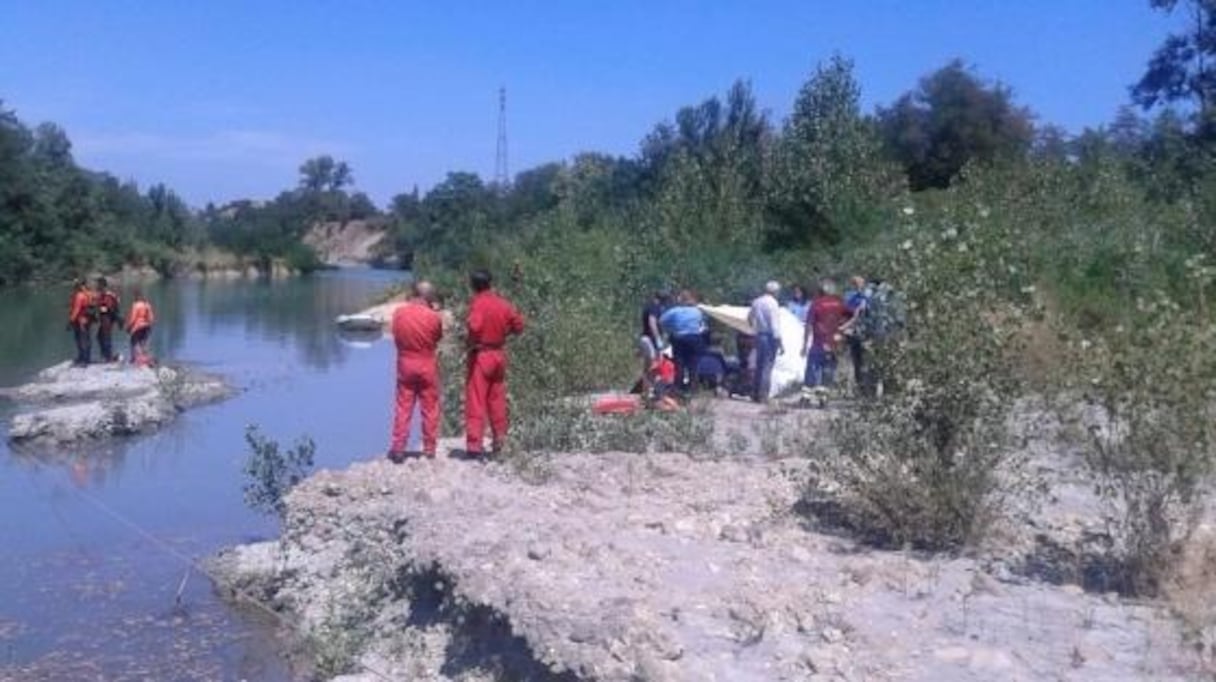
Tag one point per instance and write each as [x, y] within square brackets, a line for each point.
[491, 320]
[417, 330]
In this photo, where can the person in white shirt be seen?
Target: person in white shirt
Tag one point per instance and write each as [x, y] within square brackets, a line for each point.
[763, 319]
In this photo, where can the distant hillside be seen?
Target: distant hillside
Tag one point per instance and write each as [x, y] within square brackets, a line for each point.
[353, 242]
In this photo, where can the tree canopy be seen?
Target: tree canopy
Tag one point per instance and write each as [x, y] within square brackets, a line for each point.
[951, 119]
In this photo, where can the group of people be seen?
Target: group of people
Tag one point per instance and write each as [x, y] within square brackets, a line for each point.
[417, 329]
[676, 332]
[829, 321]
[101, 306]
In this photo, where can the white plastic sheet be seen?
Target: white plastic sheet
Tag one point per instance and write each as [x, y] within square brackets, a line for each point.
[790, 367]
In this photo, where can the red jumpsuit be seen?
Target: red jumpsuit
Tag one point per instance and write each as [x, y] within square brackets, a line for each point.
[491, 319]
[416, 330]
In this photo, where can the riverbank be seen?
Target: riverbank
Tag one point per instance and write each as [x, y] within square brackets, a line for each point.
[66, 404]
[668, 567]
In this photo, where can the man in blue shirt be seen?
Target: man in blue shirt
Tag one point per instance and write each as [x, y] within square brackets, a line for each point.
[684, 324]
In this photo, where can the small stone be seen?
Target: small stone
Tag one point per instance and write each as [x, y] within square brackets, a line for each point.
[331, 490]
[832, 635]
[953, 654]
[982, 583]
[733, 533]
[582, 634]
[1074, 590]
[538, 552]
[990, 660]
[685, 526]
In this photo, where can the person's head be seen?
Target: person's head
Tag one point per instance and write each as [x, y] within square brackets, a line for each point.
[772, 287]
[797, 293]
[424, 291]
[102, 283]
[480, 280]
[79, 284]
[827, 286]
[685, 297]
[663, 297]
[857, 282]
[138, 295]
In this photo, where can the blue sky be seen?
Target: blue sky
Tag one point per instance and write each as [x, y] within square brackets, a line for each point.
[222, 100]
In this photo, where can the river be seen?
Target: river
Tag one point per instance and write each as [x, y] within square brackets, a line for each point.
[94, 538]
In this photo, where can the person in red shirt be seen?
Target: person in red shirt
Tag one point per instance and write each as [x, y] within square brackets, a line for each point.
[80, 319]
[827, 314]
[417, 330]
[491, 320]
[139, 326]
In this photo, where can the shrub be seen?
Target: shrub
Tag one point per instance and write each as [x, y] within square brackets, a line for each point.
[271, 472]
[926, 463]
[1149, 385]
[573, 428]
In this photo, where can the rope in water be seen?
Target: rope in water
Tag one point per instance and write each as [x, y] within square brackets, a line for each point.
[192, 564]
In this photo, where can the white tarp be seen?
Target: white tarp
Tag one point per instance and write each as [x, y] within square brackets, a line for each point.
[790, 367]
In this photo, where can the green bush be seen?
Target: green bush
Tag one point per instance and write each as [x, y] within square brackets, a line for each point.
[271, 472]
[1150, 386]
[926, 463]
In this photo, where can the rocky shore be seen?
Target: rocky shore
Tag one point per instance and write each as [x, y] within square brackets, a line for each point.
[663, 567]
[66, 404]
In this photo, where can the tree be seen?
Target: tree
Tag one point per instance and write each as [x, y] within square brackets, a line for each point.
[954, 118]
[1128, 132]
[1179, 71]
[52, 147]
[1051, 144]
[324, 174]
[828, 175]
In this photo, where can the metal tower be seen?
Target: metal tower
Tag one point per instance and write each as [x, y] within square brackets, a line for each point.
[502, 174]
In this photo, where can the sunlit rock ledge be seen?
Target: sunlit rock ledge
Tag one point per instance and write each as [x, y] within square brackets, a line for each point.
[67, 404]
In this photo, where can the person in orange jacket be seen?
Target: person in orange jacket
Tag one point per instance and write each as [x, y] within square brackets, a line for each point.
[80, 319]
[417, 330]
[491, 320]
[139, 326]
[108, 316]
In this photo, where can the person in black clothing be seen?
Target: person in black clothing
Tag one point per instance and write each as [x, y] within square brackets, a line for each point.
[650, 342]
[108, 316]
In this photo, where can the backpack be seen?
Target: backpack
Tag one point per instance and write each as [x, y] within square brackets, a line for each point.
[886, 313]
[107, 305]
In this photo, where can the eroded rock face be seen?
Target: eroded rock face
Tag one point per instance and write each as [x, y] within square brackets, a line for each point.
[66, 404]
[654, 567]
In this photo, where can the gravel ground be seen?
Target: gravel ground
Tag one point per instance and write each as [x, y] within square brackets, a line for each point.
[664, 567]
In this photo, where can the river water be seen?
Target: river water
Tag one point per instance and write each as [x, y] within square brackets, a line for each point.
[90, 594]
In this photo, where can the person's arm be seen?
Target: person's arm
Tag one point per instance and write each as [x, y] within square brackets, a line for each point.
[652, 323]
[854, 316]
[774, 315]
[665, 324]
[474, 325]
[515, 325]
